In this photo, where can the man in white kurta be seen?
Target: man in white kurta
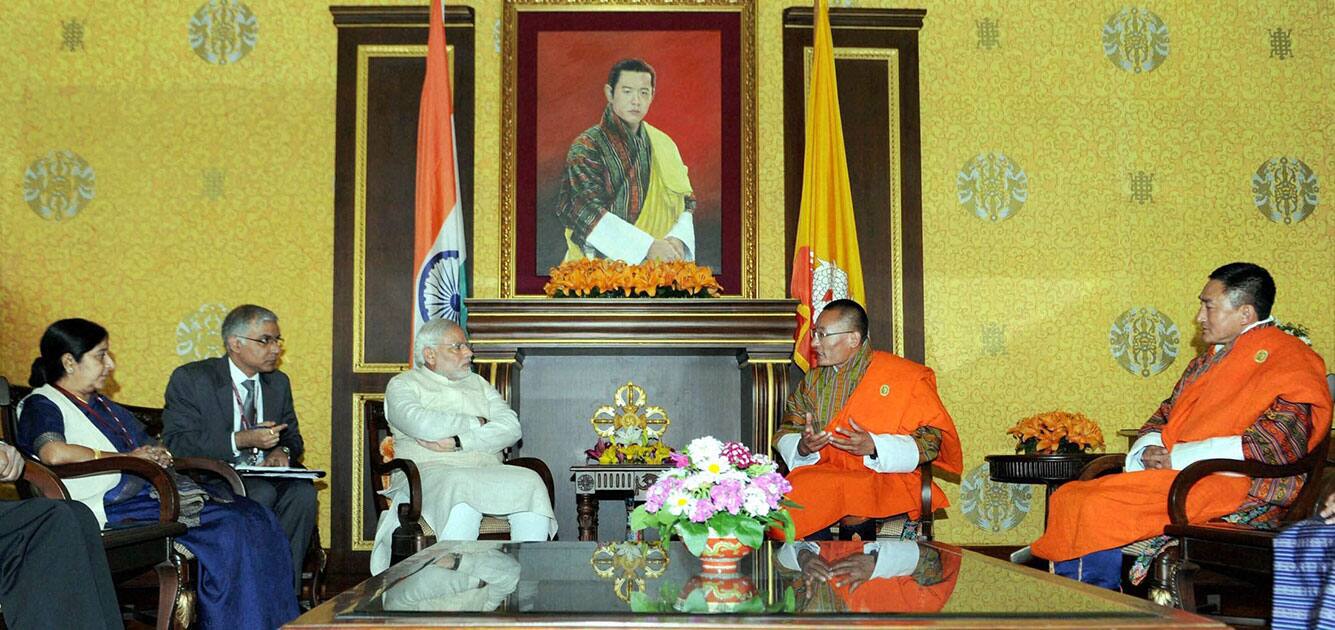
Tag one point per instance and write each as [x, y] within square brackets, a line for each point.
[455, 426]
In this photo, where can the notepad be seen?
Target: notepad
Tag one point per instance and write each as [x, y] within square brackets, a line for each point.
[279, 471]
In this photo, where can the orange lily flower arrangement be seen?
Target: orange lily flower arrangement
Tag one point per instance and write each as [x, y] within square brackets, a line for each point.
[1056, 432]
[613, 278]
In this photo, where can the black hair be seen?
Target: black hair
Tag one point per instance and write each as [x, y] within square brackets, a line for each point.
[1247, 283]
[68, 336]
[853, 313]
[631, 65]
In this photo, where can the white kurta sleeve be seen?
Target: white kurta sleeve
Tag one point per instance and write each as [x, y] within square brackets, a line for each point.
[1184, 454]
[501, 430]
[787, 447]
[407, 415]
[1133, 462]
[894, 454]
[893, 557]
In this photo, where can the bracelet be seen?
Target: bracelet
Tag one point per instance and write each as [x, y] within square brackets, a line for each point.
[97, 454]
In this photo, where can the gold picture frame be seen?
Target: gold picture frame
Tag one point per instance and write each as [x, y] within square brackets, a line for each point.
[541, 36]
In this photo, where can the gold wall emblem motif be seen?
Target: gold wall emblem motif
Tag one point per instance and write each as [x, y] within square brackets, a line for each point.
[992, 186]
[58, 185]
[1285, 190]
[630, 420]
[1135, 39]
[223, 31]
[199, 334]
[1144, 341]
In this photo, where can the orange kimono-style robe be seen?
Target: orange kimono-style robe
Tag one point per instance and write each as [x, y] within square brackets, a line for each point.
[1263, 364]
[895, 396]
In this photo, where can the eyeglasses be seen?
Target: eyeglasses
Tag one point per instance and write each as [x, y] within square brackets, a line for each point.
[456, 347]
[817, 335]
[266, 340]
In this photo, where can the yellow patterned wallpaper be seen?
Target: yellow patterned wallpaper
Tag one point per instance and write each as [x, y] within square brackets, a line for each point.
[211, 186]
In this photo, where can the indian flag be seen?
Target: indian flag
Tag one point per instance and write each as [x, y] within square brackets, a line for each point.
[438, 244]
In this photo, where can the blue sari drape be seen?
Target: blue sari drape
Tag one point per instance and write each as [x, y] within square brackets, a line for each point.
[245, 576]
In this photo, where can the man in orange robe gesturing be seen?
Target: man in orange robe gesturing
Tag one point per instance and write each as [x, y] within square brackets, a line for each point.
[1258, 394]
[857, 427]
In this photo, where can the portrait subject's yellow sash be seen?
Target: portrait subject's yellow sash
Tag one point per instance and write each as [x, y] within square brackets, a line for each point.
[666, 198]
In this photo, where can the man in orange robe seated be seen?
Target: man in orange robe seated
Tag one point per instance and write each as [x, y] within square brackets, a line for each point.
[857, 427]
[1258, 394]
[881, 576]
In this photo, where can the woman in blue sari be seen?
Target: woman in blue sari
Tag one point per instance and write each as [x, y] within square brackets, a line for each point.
[245, 579]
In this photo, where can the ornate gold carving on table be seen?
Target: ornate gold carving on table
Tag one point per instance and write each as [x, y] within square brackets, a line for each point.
[623, 561]
[630, 431]
[628, 457]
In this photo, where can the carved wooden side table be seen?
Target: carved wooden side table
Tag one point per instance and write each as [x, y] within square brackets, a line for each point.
[595, 482]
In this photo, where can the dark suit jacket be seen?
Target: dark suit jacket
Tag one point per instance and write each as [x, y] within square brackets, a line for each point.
[197, 417]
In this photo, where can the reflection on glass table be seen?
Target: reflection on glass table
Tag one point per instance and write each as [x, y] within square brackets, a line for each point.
[884, 576]
[878, 584]
[472, 576]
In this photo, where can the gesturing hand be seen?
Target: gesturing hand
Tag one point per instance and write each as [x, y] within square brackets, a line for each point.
[1156, 457]
[812, 440]
[264, 436]
[853, 439]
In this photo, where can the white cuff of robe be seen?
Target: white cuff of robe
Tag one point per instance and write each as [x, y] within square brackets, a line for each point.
[1187, 453]
[893, 557]
[894, 454]
[684, 231]
[788, 553]
[1133, 462]
[787, 447]
[615, 238]
[235, 451]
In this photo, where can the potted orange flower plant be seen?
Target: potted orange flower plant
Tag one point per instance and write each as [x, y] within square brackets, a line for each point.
[602, 278]
[1056, 432]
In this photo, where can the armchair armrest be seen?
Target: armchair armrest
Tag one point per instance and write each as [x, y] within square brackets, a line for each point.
[1101, 466]
[213, 467]
[44, 480]
[1177, 493]
[538, 466]
[410, 512]
[925, 517]
[168, 506]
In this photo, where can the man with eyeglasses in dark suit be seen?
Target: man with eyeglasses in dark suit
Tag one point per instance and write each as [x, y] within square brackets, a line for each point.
[238, 409]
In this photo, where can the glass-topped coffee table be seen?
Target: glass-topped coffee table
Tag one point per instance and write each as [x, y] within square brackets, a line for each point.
[883, 584]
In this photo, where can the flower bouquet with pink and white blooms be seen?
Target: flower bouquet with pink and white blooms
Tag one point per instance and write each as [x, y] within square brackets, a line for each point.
[717, 490]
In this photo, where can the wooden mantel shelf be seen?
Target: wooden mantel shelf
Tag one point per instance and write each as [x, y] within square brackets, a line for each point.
[761, 329]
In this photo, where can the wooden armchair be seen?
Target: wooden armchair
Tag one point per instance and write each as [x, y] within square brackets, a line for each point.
[1238, 551]
[137, 554]
[411, 536]
[202, 468]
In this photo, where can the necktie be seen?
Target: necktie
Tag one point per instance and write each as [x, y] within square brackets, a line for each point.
[248, 419]
[248, 405]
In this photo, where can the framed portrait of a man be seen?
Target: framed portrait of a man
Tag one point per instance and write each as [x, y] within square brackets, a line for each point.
[628, 134]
